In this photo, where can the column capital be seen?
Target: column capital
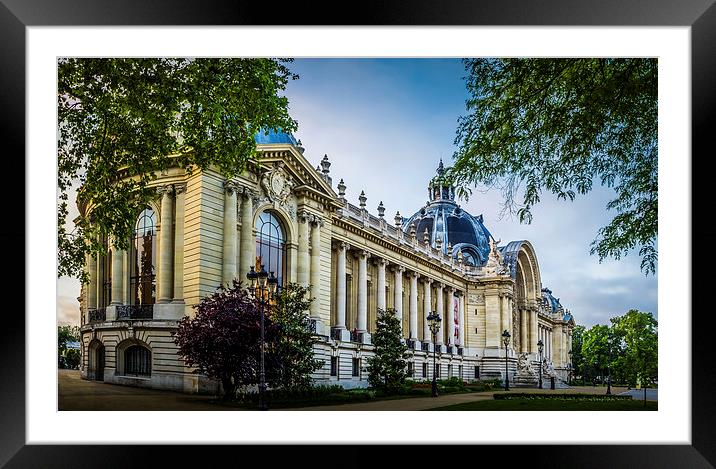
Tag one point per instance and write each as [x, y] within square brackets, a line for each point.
[316, 221]
[397, 268]
[427, 280]
[341, 246]
[439, 285]
[380, 261]
[247, 192]
[164, 190]
[231, 187]
[180, 188]
[358, 253]
[413, 274]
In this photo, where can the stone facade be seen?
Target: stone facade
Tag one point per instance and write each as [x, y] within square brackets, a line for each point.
[204, 234]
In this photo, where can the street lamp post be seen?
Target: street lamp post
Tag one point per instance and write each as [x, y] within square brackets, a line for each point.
[506, 341]
[434, 324]
[540, 347]
[609, 365]
[259, 282]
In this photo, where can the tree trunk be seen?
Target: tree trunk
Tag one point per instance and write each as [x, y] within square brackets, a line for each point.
[229, 388]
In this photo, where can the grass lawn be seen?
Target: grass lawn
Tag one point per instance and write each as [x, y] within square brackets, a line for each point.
[552, 404]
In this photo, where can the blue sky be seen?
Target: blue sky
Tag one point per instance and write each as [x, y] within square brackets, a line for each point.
[385, 123]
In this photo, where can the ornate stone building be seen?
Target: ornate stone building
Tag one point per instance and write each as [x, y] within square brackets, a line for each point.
[202, 231]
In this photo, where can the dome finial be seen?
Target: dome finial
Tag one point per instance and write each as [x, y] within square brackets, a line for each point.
[441, 168]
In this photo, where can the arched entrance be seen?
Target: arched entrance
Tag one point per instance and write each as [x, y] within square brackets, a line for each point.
[96, 361]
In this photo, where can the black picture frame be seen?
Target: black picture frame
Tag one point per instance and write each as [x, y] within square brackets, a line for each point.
[700, 15]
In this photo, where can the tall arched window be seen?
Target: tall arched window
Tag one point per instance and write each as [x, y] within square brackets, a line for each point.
[143, 259]
[271, 245]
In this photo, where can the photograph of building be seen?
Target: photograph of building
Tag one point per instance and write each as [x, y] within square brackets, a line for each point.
[203, 230]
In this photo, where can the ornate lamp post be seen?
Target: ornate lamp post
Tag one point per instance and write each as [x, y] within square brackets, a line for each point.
[264, 287]
[540, 347]
[434, 324]
[506, 341]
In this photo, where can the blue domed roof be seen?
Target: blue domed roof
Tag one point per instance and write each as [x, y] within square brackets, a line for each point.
[551, 301]
[272, 136]
[444, 219]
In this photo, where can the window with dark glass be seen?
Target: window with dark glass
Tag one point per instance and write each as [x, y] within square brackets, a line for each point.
[425, 370]
[449, 371]
[143, 259]
[356, 367]
[477, 372]
[137, 361]
[334, 366]
[410, 369]
[271, 245]
[437, 371]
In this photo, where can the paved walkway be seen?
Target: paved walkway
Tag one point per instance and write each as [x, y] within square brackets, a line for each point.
[75, 393]
[638, 394]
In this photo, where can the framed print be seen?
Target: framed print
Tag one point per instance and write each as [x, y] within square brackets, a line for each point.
[41, 432]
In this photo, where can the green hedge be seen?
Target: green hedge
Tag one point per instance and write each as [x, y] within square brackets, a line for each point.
[584, 397]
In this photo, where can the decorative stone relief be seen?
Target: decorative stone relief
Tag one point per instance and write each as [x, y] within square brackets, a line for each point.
[276, 184]
[476, 298]
[495, 261]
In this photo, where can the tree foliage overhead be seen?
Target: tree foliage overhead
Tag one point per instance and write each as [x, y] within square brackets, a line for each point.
[560, 125]
[387, 369]
[122, 117]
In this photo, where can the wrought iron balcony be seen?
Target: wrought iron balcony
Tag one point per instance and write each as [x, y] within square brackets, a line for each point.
[335, 334]
[411, 344]
[459, 350]
[129, 312]
[97, 315]
[356, 336]
[450, 349]
[425, 346]
[312, 326]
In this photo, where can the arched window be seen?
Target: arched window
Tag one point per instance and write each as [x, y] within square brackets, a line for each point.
[143, 259]
[469, 257]
[137, 361]
[271, 245]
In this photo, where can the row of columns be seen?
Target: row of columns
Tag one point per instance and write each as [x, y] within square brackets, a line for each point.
[545, 334]
[398, 271]
[308, 269]
[170, 263]
[239, 249]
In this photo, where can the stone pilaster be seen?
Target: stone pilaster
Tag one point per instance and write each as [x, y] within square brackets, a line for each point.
[398, 292]
[441, 312]
[451, 316]
[524, 331]
[302, 270]
[505, 314]
[413, 306]
[247, 244]
[180, 193]
[362, 291]
[533, 329]
[117, 275]
[427, 308]
[461, 320]
[341, 286]
[380, 297]
[92, 288]
[228, 272]
[316, 224]
[166, 245]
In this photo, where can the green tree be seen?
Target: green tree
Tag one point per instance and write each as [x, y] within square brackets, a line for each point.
[595, 349]
[291, 355]
[121, 121]
[66, 334]
[561, 125]
[640, 334]
[387, 369]
[577, 356]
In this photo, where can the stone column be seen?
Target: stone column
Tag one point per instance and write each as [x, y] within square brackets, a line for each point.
[461, 320]
[315, 264]
[341, 286]
[413, 306]
[125, 278]
[441, 313]
[180, 191]
[248, 245]
[505, 315]
[380, 297]
[524, 334]
[99, 274]
[303, 259]
[228, 272]
[533, 329]
[166, 246]
[117, 275]
[427, 307]
[398, 292]
[362, 291]
[451, 316]
[92, 288]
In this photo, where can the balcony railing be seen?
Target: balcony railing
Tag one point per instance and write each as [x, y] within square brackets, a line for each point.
[459, 350]
[335, 334]
[425, 346]
[410, 344]
[450, 349]
[128, 312]
[312, 326]
[356, 336]
[97, 315]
